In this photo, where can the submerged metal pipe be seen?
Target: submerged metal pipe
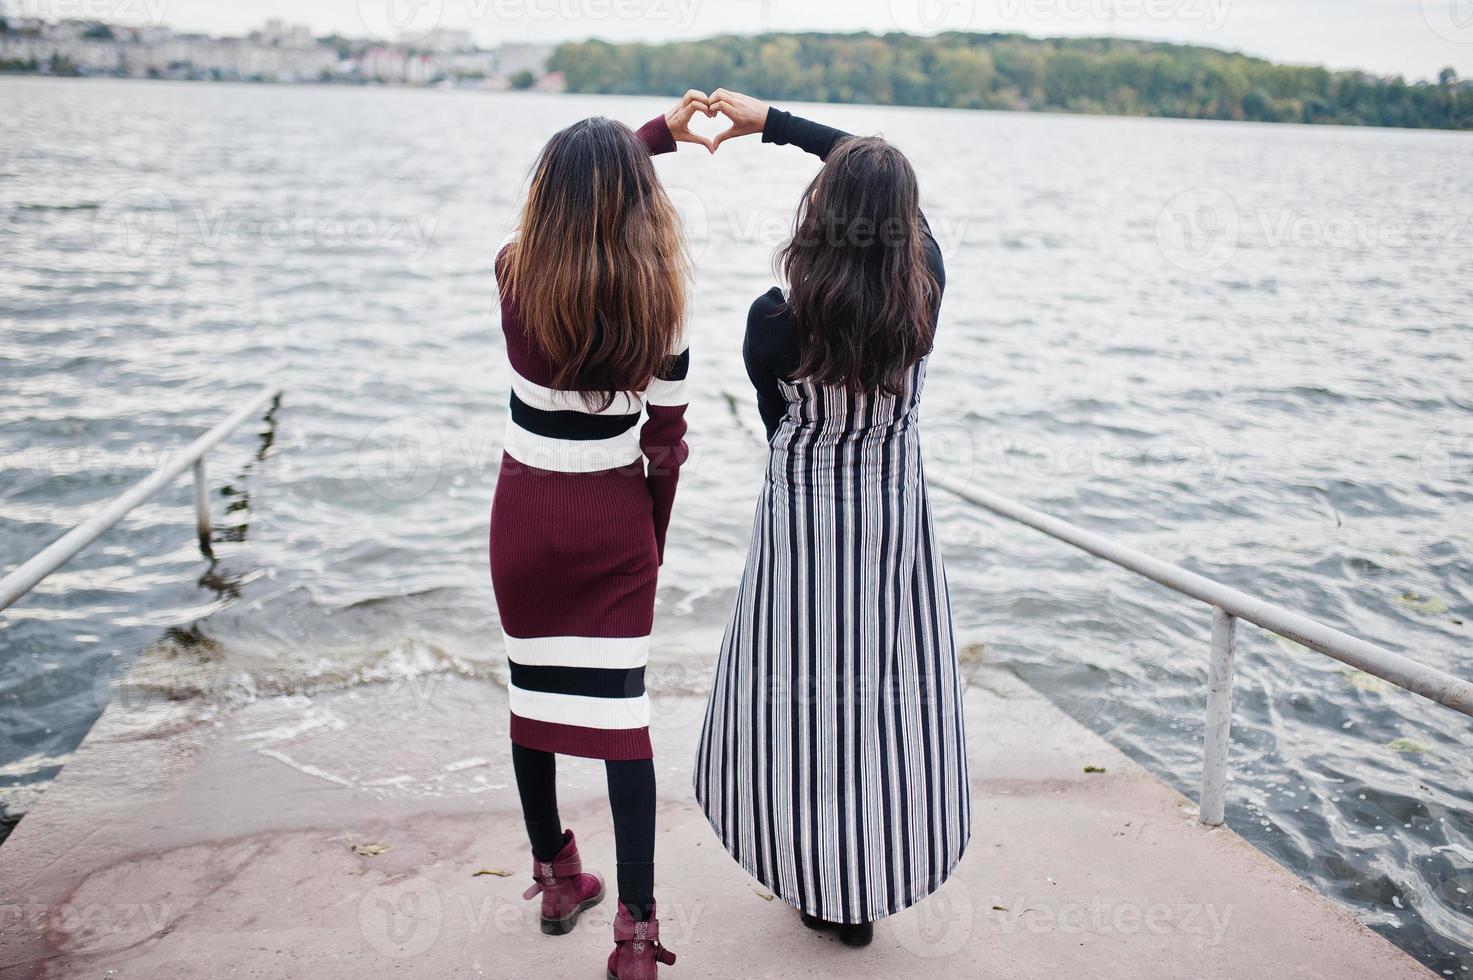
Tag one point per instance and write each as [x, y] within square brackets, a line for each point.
[24, 578]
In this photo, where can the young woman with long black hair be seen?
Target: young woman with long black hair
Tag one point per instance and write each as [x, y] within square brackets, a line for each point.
[832, 763]
[593, 306]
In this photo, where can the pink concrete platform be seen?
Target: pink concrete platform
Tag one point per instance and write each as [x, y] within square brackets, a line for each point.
[175, 847]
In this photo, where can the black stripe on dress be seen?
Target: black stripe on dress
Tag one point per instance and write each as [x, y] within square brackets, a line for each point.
[676, 368]
[588, 682]
[570, 424]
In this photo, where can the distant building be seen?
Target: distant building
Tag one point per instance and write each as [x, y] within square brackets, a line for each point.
[277, 52]
[446, 39]
[512, 59]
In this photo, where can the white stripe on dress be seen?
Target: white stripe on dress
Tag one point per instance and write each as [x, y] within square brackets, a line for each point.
[667, 393]
[556, 400]
[609, 714]
[614, 653]
[571, 455]
[670, 393]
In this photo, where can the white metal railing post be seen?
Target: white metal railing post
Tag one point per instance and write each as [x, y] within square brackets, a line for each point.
[202, 505]
[1429, 682]
[1219, 717]
[23, 579]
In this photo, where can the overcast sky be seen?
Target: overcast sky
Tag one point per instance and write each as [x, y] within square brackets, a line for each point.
[1411, 37]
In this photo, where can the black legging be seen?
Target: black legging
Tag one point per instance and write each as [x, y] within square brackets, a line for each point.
[632, 798]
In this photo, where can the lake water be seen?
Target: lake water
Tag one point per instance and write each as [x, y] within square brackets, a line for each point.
[1247, 349]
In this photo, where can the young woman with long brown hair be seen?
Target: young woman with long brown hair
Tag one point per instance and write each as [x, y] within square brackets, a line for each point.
[593, 305]
[832, 763]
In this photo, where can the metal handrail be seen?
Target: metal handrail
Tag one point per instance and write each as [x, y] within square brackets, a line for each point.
[1228, 606]
[27, 576]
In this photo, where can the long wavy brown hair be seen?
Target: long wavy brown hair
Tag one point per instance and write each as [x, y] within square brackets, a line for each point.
[599, 269]
[861, 291]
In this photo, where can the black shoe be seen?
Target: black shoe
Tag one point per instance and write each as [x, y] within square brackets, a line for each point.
[850, 934]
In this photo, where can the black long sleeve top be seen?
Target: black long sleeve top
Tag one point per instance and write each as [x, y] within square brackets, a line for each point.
[771, 348]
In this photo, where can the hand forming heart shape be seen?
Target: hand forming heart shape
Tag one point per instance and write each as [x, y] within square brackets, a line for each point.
[746, 115]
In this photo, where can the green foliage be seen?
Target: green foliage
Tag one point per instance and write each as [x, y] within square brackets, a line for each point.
[1013, 71]
[523, 80]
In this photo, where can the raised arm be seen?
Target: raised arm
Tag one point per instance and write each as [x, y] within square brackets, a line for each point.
[786, 129]
[661, 133]
[662, 439]
[749, 116]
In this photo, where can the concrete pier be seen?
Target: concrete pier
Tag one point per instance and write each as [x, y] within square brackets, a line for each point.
[365, 833]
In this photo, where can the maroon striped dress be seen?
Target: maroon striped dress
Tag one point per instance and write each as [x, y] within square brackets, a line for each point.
[578, 525]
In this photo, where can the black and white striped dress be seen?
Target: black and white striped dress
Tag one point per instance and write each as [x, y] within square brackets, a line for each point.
[833, 760]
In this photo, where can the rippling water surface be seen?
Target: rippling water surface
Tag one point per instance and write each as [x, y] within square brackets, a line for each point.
[1243, 348]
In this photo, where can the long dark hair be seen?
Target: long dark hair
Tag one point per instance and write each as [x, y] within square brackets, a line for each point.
[861, 291]
[599, 268]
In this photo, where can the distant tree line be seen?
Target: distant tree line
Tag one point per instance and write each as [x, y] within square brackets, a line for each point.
[1013, 71]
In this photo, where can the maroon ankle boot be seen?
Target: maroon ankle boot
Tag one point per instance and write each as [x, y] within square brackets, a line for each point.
[637, 948]
[565, 888]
